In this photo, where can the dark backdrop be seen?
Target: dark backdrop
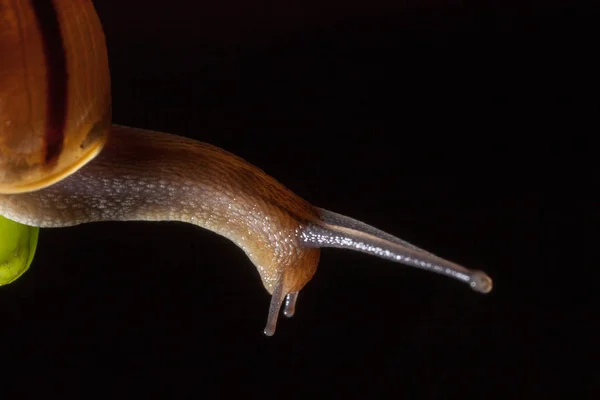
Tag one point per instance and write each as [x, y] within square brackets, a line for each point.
[453, 125]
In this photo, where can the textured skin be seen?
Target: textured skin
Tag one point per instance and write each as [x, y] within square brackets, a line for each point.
[26, 82]
[151, 176]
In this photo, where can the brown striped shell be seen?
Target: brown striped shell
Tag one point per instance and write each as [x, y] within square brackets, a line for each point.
[55, 99]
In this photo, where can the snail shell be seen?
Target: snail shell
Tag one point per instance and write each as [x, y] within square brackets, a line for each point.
[55, 96]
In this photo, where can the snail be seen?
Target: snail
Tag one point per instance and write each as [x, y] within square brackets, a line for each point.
[63, 163]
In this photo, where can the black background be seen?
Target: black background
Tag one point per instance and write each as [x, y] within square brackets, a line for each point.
[453, 125]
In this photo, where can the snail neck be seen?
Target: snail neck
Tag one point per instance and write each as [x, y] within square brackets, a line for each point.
[152, 176]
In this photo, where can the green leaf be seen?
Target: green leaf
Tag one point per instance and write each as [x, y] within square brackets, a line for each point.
[18, 243]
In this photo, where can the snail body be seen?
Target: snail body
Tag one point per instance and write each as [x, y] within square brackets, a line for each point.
[120, 173]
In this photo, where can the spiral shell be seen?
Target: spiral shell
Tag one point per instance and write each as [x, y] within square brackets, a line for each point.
[55, 100]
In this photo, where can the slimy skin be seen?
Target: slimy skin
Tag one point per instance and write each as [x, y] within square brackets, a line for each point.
[144, 175]
[150, 176]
